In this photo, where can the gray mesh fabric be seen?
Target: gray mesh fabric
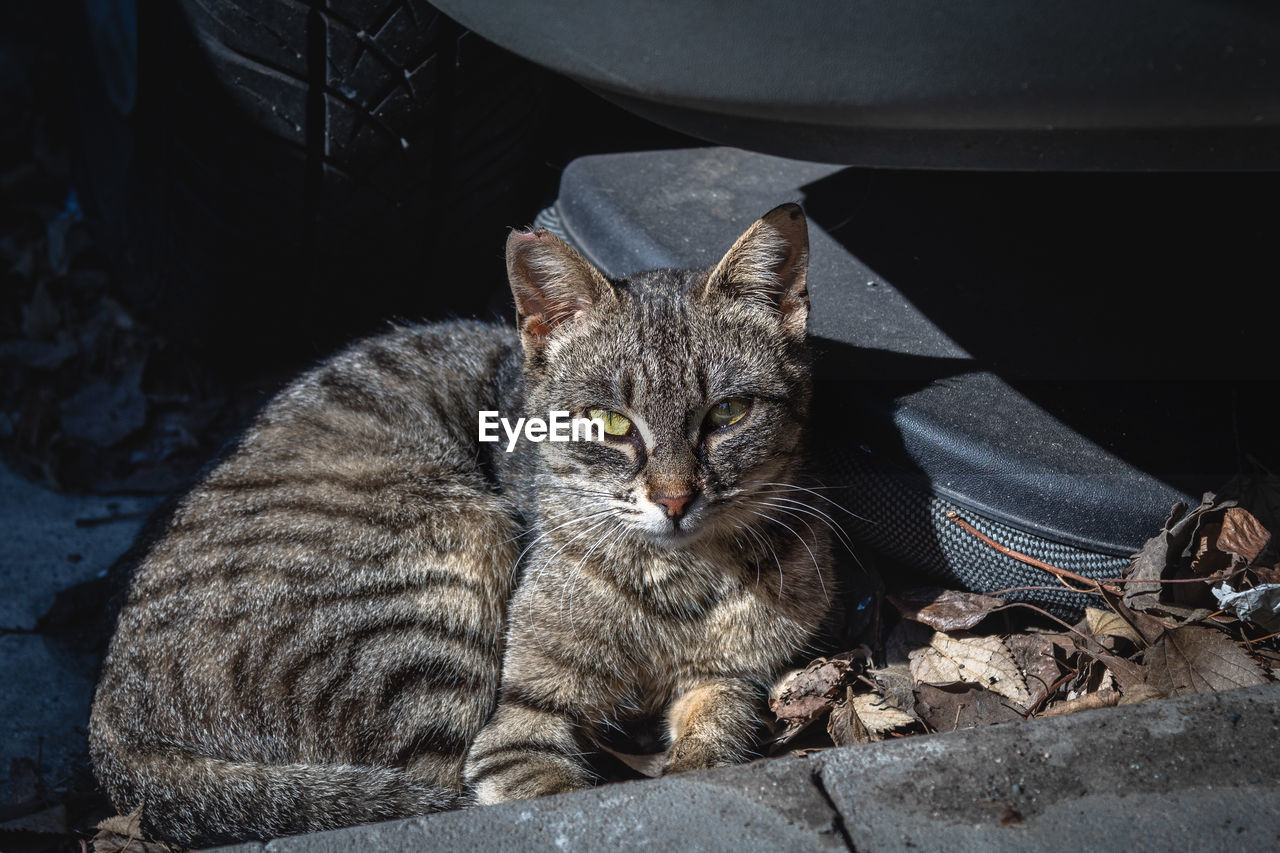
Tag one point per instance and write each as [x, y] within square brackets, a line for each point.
[912, 527]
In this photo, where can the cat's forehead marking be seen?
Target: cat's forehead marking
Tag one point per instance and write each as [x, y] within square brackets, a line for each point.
[669, 377]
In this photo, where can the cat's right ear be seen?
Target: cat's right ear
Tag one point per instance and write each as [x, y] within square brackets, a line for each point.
[768, 267]
[553, 285]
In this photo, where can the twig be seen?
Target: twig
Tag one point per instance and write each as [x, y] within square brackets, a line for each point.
[1066, 574]
[1036, 588]
[1048, 694]
[1060, 574]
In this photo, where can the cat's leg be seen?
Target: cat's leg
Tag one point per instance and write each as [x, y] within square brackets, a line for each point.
[712, 723]
[526, 750]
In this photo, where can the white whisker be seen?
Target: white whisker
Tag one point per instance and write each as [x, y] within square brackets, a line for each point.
[547, 560]
[812, 556]
[802, 507]
[608, 533]
[516, 565]
[835, 504]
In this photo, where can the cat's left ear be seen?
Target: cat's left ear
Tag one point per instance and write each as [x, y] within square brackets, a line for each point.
[769, 266]
[553, 285]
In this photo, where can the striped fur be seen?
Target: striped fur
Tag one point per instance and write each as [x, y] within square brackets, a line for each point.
[323, 632]
[316, 639]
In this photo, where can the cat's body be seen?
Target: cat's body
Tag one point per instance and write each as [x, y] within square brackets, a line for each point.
[328, 604]
[317, 639]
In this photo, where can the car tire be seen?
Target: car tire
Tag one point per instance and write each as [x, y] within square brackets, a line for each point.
[263, 169]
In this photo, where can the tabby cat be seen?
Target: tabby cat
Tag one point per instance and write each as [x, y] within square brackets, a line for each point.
[330, 630]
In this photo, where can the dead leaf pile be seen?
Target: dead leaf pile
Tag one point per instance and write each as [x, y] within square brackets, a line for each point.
[1198, 610]
[91, 399]
[1217, 542]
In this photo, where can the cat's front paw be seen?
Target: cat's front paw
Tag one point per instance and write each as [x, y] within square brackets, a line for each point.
[696, 756]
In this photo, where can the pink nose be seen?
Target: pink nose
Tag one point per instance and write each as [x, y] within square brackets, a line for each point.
[674, 505]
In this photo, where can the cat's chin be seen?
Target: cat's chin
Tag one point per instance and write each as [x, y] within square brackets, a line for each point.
[671, 538]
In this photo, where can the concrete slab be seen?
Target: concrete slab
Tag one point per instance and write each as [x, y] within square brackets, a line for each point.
[51, 541]
[1197, 773]
[1200, 772]
[44, 708]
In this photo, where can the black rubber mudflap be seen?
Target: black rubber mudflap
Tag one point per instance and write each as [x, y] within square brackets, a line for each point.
[296, 169]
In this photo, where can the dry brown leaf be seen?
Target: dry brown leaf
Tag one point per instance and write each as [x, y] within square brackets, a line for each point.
[1149, 564]
[1242, 535]
[1192, 659]
[904, 638]
[1108, 623]
[1125, 673]
[1270, 659]
[121, 833]
[1174, 615]
[129, 825]
[1267, 575]
[948, 710]
[1087, 702]
[646, 765]
[1085, 672]
[1209, 559]
[944, 609]
[1107, 683]
[1140, 693]
[844, 725]
[985, 661]
[1148, 626]
[1184, 549]
[879, 715]
[896, 686]
[809, 693]
[1259, 493]
[1034, 655]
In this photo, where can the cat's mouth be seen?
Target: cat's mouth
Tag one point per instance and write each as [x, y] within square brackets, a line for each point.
[672, 531]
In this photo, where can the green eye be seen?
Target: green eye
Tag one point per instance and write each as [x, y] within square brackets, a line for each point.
[728, 411]
[614, 423]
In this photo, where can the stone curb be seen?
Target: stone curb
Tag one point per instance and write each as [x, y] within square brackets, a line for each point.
[1201, 772]
[1197, 773]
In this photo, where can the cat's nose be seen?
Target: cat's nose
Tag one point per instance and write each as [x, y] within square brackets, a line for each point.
[673, 505]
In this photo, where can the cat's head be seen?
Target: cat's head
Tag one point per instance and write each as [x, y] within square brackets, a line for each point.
[700, 377]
